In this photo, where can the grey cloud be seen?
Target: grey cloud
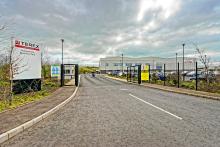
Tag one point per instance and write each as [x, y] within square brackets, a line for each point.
[90, 27]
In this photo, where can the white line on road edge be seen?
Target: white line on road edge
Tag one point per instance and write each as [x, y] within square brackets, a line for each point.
[123, 89]
[11, 133]
[156, 107]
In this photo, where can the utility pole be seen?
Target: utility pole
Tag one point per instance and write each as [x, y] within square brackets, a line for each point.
[183, 62]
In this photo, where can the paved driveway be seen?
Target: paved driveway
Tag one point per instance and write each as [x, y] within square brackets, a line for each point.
[110, 113]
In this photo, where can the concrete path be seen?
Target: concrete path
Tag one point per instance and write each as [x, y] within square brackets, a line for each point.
[13, 118]
[111, 113]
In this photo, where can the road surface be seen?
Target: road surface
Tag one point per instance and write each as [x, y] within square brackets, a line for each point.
[111, 113]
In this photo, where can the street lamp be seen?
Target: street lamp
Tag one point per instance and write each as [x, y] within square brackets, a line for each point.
[183, 62]
[176, 62]
[122, 63]
[62, 68]
[62, 40]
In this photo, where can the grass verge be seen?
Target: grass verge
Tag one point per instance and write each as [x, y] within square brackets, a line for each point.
[48, 87]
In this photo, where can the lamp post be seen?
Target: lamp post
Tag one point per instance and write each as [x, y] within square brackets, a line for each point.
[183, 62]
[62, 40]
[176, 62]
[62, 67]
[122, 64]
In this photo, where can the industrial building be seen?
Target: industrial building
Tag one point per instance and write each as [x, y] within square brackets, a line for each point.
[114, 64]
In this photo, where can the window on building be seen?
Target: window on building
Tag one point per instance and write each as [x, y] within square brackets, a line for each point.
[106, 64]
[67, 71]
[117, 64]
[128, 64]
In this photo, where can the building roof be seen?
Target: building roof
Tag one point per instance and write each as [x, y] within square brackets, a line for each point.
[142, 58]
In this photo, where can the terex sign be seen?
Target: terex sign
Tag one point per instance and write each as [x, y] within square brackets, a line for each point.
[26, 45]
[27, 56]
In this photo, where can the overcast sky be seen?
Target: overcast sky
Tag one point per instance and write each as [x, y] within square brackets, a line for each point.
[100, 28]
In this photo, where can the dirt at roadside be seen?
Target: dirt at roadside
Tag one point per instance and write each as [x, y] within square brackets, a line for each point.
[13, 118]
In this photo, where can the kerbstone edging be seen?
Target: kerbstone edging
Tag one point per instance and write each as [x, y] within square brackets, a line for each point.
[169, 90]
[11, 133]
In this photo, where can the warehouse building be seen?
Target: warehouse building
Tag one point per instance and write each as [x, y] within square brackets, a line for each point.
[114, 64]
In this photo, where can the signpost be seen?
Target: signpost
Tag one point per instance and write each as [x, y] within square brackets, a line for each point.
[26, 66]
[55, 71]
[145, 72]
[27, 58]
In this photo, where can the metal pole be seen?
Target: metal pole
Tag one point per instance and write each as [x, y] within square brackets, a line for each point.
[164, 76]
[176, 63]
[139, 74]
[61, 75]
[62, 40]
[76, 75]
[196, 76]
[183, 62]
[127, 74]
[178, 78]
[149, 74]
[122, 64]
[62, 67]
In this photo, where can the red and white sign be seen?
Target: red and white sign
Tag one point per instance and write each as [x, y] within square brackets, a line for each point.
[26, 45]
[27, 60]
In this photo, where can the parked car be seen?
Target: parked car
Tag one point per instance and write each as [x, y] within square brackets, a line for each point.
[200, 75]
[161, 76]
[192, 75]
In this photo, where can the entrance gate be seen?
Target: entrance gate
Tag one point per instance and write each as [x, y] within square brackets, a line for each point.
[69, 72]
[134, 74]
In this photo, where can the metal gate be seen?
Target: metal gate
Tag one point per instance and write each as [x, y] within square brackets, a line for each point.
[70, 73]
[134, 74]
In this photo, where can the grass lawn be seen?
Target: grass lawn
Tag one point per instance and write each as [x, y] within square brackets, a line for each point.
[21, 99]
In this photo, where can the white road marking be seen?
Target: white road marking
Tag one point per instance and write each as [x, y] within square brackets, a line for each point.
[100, 86]
[156, 107]
[124, 89]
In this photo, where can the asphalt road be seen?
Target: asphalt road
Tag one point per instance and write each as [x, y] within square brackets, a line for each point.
[111, 113]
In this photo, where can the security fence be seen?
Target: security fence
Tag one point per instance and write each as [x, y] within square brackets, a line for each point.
[198, 79]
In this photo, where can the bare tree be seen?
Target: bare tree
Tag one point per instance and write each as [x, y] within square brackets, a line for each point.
[45, 61]
[15, 68]
[205, 60]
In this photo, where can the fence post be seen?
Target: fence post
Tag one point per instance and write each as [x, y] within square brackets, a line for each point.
[196, 76]
[127, 74]
[149, 73]
[164, 74]
[130, 73]
[178, 75]
[139, 74]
